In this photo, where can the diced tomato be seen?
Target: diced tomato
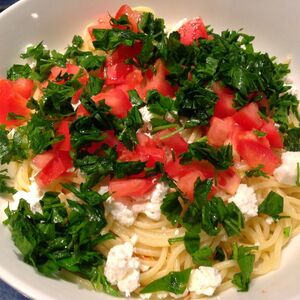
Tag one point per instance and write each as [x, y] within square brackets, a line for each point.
[228, 181]
[187, 182]
[224, 105]
[117, 100]
[175, 169]
[158, 80]
[42, 160]
[219, 130]
[174, 142]
[248, 117]
[116, 74]
[145, 140]
[23, 87]
[60, 164]
[192, 30]
[273, 134]
[255, 154]
[65, 144]
[123, 53]
[103, 23]
[81, 111]
[110, 140]
[10, 101]
[120, 188]
[239, 133]
[133, 16]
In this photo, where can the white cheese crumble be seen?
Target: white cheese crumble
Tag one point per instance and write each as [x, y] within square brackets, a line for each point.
[246, 200]
[151, 208]
[146, 114]
[33, 196]
[120, 212]
[204, 280]
[287, 172]
[269, 220]
[122, 269]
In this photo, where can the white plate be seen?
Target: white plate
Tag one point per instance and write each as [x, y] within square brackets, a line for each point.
[274, 23]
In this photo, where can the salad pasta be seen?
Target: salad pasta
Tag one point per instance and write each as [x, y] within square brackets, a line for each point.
[152, 164]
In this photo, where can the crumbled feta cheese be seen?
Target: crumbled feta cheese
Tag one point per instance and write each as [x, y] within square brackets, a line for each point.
[204, 280]
[33, 196]
[246, 200]
[287, 172]
[269, 220]
[120, 212]
[146, 114]
[151, 208]
[176, 232]
[122, 269]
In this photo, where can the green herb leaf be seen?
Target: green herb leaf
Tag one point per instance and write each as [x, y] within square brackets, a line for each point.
[272, 205]
[192, 240]
[171, 207]
[245, 260]
[4, 187]
[257, 172]
[220, 157]
[292, 139]
[174, 282]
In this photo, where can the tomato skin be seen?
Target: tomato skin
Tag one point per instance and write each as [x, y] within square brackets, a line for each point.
[187, 182]
[248, 117]
[41, 160]
[224, 105]
[175, 142]
[228, 181]
[219, 130]
[120, 188]
[192, 30]
[273, 134]
[255, 154]
[116, 74]
[103, 23]
[158, 80]
[133, 16]
[61, 163]
[123, 53]
[174, 169]
[10, 101]
[65, 144]
[81, 111]
[23, 87]
[117, 100]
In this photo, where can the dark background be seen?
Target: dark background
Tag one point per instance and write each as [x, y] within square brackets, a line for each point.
[6, 292]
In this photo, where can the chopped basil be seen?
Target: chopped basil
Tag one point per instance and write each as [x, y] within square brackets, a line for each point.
[171, 207]
[272, 205]
[4, 187]
[257, 172]
[245, 259]
[221, 157]
[174, 282]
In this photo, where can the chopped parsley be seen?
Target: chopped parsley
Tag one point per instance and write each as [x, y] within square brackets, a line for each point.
[272, 205]
[174, 282]
[257, 172]
[245, 259]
